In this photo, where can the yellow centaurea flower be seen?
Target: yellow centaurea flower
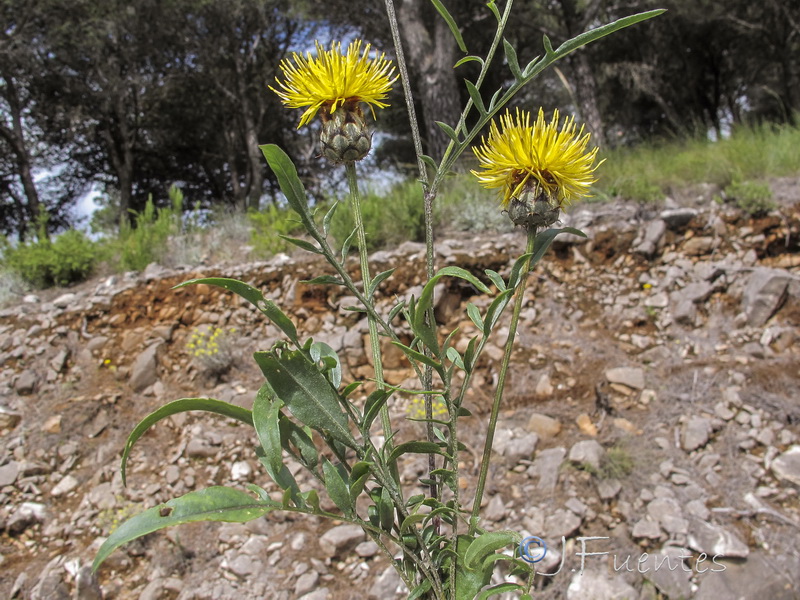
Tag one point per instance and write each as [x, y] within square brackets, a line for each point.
[550, 164]
[335, 84]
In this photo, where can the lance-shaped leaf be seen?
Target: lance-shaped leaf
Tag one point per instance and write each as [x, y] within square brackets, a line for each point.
[306, 393]
[511, 59]
[487, 544]
[475, 95]
[266, 412]
[373, 405]
[336, 484]
[254, 297]
[545, 239]
[289, 182]
[451, 23]
[416, 448]
[212, 504]
[178, 406]
[322, 352]
[304, 244]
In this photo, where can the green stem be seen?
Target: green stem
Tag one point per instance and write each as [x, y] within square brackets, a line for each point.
[366, 279]
[501, 382]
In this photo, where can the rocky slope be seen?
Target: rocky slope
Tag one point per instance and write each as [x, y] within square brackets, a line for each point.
[653, 404]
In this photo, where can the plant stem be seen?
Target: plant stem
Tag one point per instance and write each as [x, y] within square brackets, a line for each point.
[428, 198]
[366, 279]
[501, 382]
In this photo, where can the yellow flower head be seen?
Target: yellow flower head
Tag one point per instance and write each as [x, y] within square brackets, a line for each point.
[517, 153]
[331, 79]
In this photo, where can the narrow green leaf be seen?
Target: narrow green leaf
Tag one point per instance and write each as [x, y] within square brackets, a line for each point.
[347, 244]
[212, 504]
[486, 544]
[412, 520]
[283, 477]
[496, 279]
[304, 244]
[323, 280]
[419, 591]
[469, 356]
[514, 278]
[254, 297]
[373, 406]
[326, 220]
[476, 96]
[419, 357]
[595, 34]
[494, 311]
[359, 475]
[451, 23]
[475, 315]
[373, 286]
[494, 99]
[531, 67]
[350, 388]
[511, 58]
[396, 310]
[385, 510]
[455, 358]
[429, 161]
[300, 438]
[178, 406]
[495, 11]
[415, 447]
[451, 133]
[266, 410]
[467, 59]
[320, 351]
[306, 393]
[548, 47]
[500, 588]
[336, 486]
[289, 182]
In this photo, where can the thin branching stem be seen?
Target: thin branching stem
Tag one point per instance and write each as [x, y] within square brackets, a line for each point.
[501, 382]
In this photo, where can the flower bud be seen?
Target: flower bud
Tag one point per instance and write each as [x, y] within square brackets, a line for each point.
[345, 136]
[534, 207]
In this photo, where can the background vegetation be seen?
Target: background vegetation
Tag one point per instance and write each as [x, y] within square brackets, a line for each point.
[133, 99]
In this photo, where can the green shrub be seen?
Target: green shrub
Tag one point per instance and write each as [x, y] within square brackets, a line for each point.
[752, 197]
[136, 247]
[391, 218]
[69, 258]
[268, 225]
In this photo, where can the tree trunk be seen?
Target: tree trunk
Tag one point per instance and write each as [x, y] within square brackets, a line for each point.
[431, 51]
[16, 139]
[586, 95]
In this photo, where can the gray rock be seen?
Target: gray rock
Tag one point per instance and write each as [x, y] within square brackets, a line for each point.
[698, 246]
[200, 448]
[678, 217]
[51, 585]
[714, 540]
[386, 586]
[587, 452]
[608, 489]
[760, 576]
[520, 448]
[546, 466]
[65, 300]
[65, 486]
[561, 523]
[684, 311]
[696, 433]
[367, 549]
[495, 510]
[765, 292]
[144, 370]
[26, 382]
[698, 291]
[646, 528]
[27, 515]
[337, 540]
[9, 418]
[650, 238]
[668, 513]
[787, 465]
[306, 583]
[9, 473]
[599, 586]
[320, 594]
[667, 571]
[633, 377]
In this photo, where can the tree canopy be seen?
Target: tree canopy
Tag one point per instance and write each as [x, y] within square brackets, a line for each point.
[138, 96]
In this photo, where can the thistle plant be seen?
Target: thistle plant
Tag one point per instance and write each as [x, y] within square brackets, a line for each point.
[304, 411]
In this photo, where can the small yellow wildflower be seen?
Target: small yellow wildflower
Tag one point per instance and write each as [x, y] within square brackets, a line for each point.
[552, 163]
